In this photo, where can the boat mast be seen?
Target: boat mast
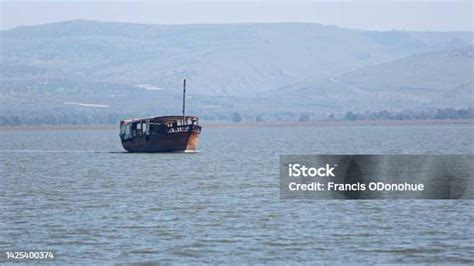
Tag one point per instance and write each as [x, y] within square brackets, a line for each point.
[184, 99]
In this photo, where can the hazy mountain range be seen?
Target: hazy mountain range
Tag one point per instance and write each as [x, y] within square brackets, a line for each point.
[254, 68]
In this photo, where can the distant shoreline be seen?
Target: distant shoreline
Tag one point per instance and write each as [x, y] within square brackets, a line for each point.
[336, 123]
[261, 124]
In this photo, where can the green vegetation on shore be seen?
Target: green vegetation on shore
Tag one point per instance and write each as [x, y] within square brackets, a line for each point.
[99, 117]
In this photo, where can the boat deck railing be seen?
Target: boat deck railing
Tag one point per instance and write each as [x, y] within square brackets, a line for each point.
[163, 130]
[153, 129]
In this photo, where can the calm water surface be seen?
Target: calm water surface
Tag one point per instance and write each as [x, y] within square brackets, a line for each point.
[77, 193]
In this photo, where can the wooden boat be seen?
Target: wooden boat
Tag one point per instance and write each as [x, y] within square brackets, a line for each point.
[161, 133]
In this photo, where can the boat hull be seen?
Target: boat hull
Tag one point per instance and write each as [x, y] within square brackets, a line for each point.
[171, 142]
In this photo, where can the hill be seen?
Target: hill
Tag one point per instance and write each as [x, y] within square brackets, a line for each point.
[259, 68]
[421, 81]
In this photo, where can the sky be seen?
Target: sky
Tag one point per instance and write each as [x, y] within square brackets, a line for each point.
[435, 15]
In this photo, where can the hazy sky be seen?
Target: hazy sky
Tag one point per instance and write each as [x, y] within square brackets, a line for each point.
[363, 14]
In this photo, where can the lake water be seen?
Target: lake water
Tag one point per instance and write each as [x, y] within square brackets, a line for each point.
[77, 193]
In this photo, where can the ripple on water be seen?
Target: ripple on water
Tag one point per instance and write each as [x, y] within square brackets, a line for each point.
[93, 203]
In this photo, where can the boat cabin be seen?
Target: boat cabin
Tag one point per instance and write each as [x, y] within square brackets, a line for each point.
[161, 125]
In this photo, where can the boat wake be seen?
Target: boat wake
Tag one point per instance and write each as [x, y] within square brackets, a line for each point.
[85, 151]
[54, 151]
[190, 151]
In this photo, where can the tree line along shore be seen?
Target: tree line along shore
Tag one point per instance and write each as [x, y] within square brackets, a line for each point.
[95, 118]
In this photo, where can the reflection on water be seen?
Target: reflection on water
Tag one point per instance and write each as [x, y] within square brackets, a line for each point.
[79, 194]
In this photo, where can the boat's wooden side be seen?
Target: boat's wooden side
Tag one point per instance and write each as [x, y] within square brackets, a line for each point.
[161, 133]
[176, 141]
